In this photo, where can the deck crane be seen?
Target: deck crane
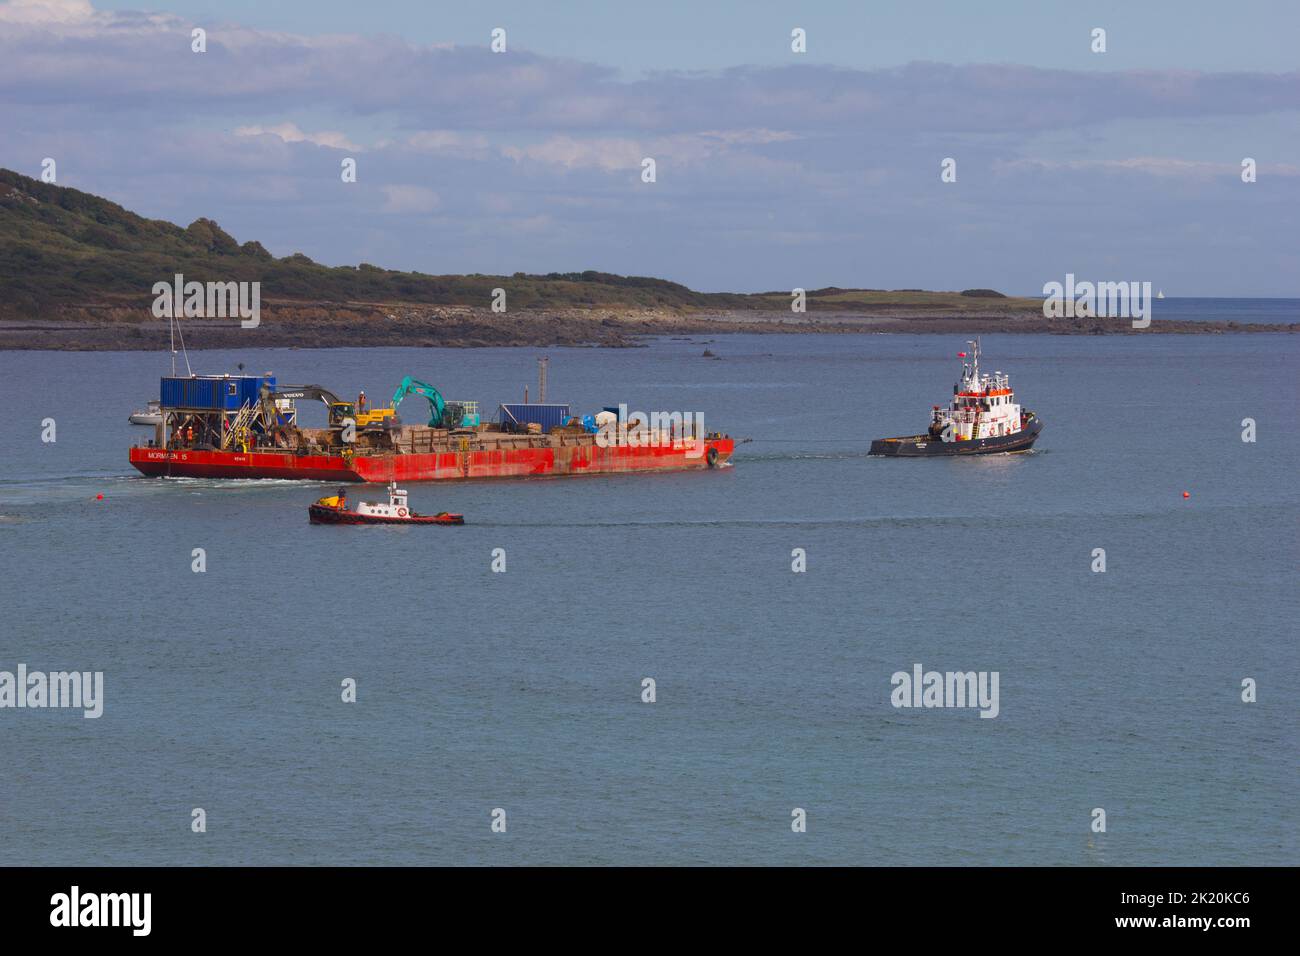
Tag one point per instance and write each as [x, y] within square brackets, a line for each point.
[338, 409]
[442, 414]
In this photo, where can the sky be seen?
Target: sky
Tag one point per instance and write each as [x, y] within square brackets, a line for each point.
[774, 169]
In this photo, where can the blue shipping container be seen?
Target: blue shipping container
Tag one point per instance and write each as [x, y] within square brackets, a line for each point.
[190, 393]
[230, 397]
[250, 389]
[212, 391]
[548, 416]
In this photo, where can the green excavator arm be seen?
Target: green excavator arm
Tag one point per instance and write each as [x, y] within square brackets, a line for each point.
[437, 405]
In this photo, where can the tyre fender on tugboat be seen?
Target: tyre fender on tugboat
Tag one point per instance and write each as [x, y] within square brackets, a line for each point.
[712, 457]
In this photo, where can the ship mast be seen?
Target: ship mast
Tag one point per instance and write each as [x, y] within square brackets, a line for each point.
[970, 371]
[174, 327]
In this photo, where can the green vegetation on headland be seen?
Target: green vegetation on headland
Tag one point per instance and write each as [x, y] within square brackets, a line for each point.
[80, 270]
[61, 247]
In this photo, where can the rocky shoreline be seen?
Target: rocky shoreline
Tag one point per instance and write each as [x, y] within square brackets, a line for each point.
[356, 325]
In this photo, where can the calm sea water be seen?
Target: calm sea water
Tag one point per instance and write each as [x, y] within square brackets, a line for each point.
[1249, 311]
[522, 690]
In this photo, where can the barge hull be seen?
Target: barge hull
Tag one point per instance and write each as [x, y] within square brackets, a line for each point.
[556, 461]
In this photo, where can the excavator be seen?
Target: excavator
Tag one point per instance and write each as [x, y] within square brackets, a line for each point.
[338, 409]
[442, 414]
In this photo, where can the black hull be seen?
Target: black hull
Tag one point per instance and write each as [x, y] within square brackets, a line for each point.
[323, 514]
[923, 446]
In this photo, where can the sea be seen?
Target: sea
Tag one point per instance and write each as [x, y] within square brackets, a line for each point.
[650, 680]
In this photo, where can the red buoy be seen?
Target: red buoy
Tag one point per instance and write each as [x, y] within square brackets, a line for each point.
[1187, 494]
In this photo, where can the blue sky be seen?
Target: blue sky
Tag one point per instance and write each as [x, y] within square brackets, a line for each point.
[775, 169]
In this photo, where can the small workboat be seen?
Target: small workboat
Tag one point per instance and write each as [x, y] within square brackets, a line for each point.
[983, 419]
[151, 414]
[334, 510]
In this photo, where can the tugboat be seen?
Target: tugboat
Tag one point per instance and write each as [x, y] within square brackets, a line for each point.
[983, 419]
[334, 510]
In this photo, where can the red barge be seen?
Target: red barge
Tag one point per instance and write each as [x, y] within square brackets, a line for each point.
[240, 426]
[538, 461]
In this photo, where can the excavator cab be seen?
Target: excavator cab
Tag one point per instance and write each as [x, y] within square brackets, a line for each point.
[453, 414]
[341, 410]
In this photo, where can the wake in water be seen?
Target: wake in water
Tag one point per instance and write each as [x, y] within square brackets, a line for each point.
[49, 489]
[861, 455]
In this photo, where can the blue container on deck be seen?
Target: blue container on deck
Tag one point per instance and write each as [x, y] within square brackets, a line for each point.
[548, 416]
[212, 392]
[190, 393]
[249, 389]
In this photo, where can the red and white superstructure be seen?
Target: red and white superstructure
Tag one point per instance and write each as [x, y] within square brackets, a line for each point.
[983, 405]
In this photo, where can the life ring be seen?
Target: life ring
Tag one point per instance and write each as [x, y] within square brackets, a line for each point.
[401, 512]
[712, 457]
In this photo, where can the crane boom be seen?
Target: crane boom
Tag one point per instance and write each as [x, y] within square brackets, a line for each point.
[441, 414]
[337, 408]
[308, 392]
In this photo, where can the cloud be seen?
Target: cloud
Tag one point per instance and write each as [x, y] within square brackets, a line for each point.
[606, 154]
[611, 154]
[290, 133]
[448, 143]
[408, 198]
[62, 52]
[801, 175]
[46, 11]
[1160, 166]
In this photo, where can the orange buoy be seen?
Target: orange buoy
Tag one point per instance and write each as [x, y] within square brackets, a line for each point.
[1187, 494]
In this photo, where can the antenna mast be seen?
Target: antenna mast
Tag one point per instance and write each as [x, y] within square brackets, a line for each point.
[174, 326]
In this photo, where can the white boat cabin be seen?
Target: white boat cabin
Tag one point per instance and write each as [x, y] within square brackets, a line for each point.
[396, 507]
[983, 405]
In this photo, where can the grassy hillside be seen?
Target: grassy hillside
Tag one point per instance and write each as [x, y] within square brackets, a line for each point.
[62, 248]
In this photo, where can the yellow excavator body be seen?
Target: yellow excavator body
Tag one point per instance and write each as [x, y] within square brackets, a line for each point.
[376, 416]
